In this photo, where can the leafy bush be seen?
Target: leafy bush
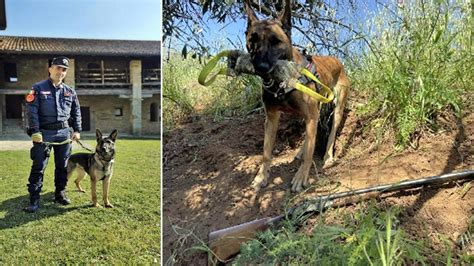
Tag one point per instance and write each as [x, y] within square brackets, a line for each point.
[183, 95]
[419, 62]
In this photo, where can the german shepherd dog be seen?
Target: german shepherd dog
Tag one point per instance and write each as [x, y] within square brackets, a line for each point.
[98, 165]
[268, 41]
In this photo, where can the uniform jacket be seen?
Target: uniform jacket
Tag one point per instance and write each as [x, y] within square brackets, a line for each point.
[50, 105]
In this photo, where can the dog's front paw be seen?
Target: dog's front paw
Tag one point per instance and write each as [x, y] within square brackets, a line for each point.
[96, 205]
[299, 180]
[260, 180]
[108, 205]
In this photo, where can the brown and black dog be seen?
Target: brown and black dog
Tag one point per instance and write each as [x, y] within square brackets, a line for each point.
[268, 41]
[97, 165]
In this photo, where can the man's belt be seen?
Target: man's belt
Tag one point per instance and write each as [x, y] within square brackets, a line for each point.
[55, 126]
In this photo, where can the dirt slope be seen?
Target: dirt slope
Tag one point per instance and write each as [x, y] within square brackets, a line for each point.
[208, 168]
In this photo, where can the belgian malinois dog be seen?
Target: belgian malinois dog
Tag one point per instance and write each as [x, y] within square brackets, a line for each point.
[98, 165]
[269, 40]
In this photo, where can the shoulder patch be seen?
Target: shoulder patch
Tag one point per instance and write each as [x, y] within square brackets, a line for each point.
[30, 97]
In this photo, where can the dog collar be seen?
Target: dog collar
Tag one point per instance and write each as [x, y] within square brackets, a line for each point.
[280, 93]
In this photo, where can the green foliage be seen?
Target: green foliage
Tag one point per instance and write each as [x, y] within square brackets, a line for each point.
[183, 95]
[465, 241]
[177, 96]
[419, 62]
[368, 237]
[79, 233]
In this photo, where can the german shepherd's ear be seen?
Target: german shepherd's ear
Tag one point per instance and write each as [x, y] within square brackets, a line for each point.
[251, 17]
[98, 134]
[113, 135]
[285, 18]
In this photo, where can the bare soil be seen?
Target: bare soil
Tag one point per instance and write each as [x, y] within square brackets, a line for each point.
[209, 166]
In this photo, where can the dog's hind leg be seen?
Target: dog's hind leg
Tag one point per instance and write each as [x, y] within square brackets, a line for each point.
[271, 126]
[70, 169]
[341, 91]
[80, 175]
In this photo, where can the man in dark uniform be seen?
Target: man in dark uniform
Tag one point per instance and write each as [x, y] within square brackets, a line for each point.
[53, 116]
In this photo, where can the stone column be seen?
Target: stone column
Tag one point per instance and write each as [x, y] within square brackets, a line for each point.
[71, 74]
[136, 80]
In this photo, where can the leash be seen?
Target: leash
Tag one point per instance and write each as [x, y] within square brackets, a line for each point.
[84, 147]
[292, 83]
[56, 143]
[68, 141]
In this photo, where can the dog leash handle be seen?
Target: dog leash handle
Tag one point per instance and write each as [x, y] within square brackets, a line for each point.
[83, 146]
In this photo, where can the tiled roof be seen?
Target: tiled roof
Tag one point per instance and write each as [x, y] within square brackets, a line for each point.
[39, 45]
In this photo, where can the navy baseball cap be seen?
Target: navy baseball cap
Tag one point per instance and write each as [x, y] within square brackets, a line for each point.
[61, 61]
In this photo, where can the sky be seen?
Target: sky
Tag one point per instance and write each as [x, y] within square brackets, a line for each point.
[89, 19]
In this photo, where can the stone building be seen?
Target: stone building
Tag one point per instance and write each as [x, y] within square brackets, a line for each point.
[117, 81]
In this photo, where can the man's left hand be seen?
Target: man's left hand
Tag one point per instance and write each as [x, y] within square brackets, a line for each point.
[76, 136]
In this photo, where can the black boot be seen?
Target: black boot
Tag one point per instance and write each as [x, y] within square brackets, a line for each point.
[60, 197]
[33, 206]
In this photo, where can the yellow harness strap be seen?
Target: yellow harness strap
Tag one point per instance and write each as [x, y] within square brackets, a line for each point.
[310, 92]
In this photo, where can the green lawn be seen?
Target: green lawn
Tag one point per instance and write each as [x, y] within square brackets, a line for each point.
[79, 233]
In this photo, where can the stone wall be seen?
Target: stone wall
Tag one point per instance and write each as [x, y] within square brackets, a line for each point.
[30, 70]
[148, 127]
[102, 113]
